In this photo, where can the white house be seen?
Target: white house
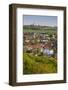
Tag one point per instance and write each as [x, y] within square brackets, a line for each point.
[48, 52]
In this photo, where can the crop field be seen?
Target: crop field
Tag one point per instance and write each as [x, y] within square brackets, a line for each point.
[48, 31]
[38, 64]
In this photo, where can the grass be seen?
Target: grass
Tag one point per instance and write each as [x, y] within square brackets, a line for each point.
[48, 31]
[38, 64]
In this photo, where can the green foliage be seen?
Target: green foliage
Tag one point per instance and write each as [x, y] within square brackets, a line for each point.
[38, 64]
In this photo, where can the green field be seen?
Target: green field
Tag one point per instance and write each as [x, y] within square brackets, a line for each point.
[48, 31]
[38, 64]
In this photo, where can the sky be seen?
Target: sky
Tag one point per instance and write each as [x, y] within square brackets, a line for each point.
[40, 20]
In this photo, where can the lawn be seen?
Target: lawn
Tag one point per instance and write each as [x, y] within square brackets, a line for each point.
[38, 64]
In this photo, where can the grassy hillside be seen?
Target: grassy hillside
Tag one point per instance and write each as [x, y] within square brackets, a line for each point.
[38, 64]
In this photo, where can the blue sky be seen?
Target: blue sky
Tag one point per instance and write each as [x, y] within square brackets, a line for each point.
[40, 20]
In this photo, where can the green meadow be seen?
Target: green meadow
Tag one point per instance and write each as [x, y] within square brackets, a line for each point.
[38, 64]
[48, 31]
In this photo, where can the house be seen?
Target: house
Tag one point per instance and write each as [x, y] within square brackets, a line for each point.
[44, 41]
[27, 40]
[48, 52]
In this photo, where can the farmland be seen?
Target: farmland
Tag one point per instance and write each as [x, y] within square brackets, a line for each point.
[48, 30]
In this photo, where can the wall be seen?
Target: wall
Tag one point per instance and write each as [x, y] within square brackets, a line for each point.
[4, 44]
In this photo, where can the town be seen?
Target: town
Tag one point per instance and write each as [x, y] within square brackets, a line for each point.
[40, 44]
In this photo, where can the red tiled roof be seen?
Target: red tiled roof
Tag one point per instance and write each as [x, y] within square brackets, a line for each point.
[40, 46]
